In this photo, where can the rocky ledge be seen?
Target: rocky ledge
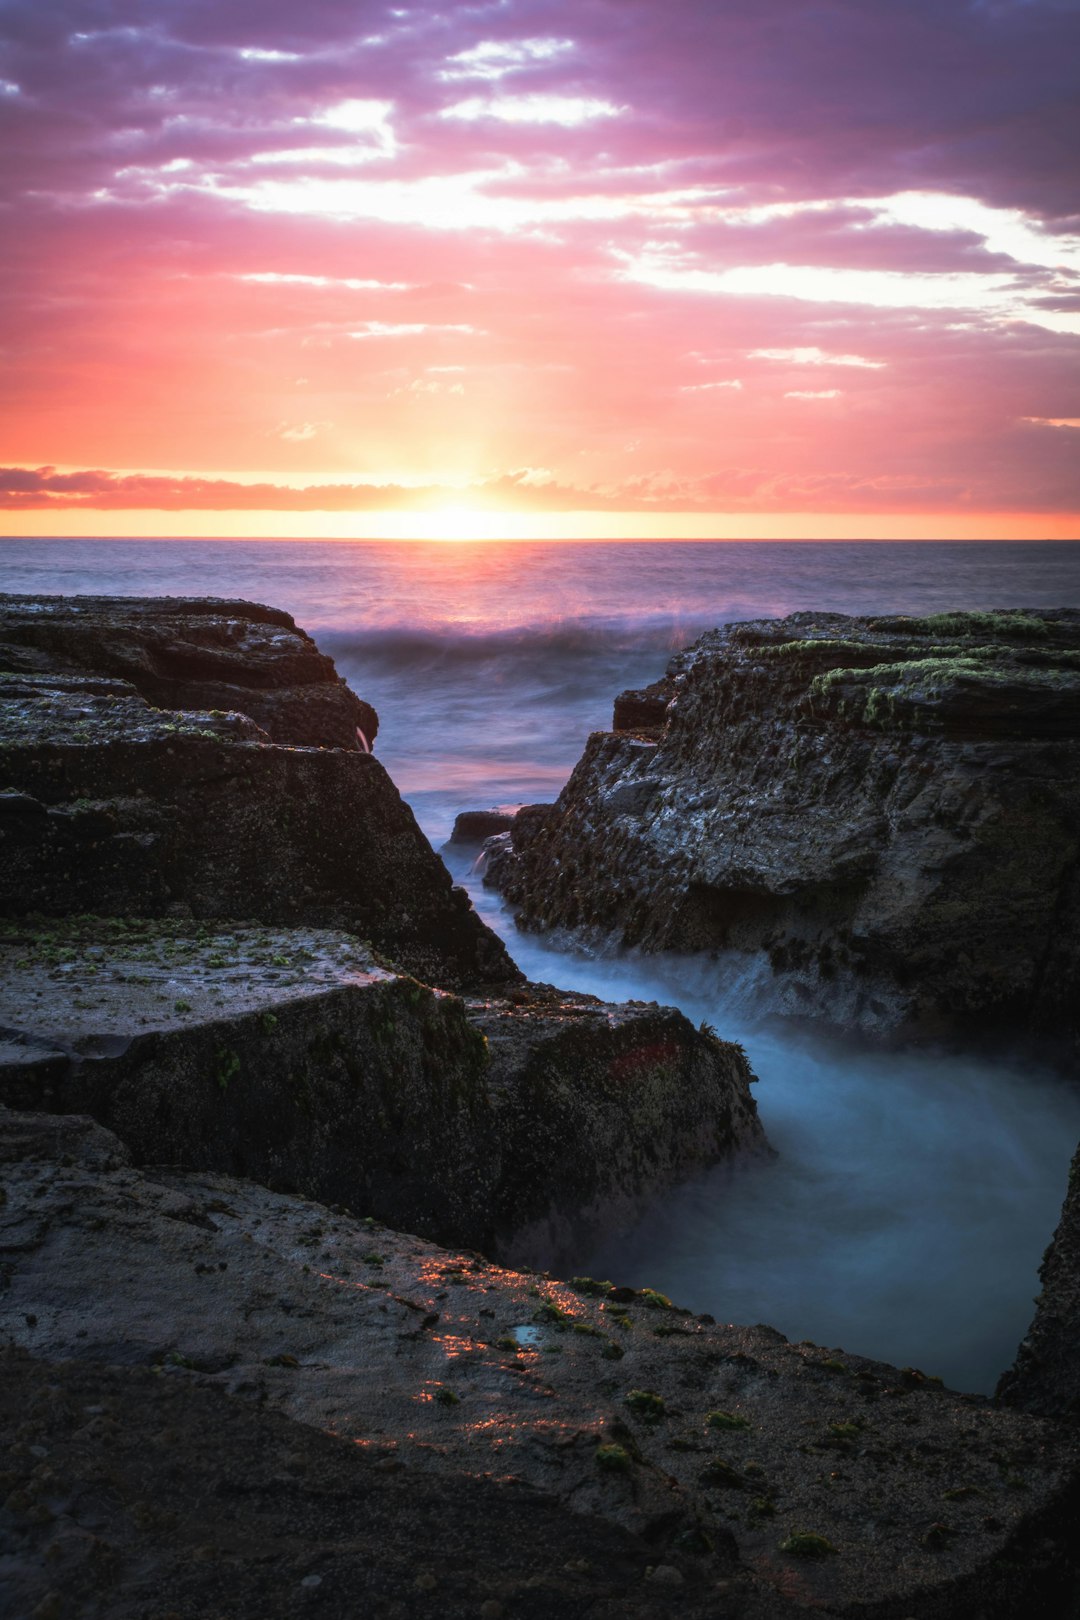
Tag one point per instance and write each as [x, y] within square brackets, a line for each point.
[110, 805]
[756, 1476]
[192, 653]
[884, 810]
[523, 1126]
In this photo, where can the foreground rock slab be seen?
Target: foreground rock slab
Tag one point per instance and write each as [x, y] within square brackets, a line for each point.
[838, 1483]
[137, 1497]
[886, 810]
[522, 1126]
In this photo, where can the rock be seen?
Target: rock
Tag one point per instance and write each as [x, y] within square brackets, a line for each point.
[192, 653]
[214, 1526]
[126, 810]
[665, 1575]
[643, 710]
[1045, 1377]
[518, 1126]
[886, 809]
[316, 1323]
[473, 826]
[497, 854]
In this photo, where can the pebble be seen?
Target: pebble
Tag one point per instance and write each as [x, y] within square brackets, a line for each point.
[664, 1575]
[311, 1582]
[425, 1583]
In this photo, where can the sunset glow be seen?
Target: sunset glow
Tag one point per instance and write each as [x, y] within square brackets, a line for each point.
[531, 268]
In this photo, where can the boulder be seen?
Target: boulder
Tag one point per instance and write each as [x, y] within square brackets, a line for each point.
[473, 826]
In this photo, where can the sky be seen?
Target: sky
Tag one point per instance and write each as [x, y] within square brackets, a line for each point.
[540, 267]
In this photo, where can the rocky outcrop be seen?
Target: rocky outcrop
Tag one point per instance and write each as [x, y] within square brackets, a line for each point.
[111, 806]
[523, 1127]
[757, 1476]
[192, 653]
[887, 809]
[1046, 1375]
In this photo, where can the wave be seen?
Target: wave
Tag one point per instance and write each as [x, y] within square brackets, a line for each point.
[570, 669]
[412, 648]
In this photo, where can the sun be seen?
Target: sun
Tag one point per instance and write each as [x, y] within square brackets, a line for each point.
[456, 520]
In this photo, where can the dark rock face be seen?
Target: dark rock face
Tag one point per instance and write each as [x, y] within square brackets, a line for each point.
[888, 808]
[1045, 1377]
[192, 653]
[113, 807]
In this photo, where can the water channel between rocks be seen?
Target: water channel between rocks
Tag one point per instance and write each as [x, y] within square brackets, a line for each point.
[910, 1202]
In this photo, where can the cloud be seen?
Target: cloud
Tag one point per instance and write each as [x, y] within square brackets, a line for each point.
[813, 356]
[731, 488]
[299, 431]
[629, 223]
[534, 109]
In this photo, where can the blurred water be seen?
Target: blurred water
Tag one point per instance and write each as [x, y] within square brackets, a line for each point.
[911, 1200]
[914, 1194]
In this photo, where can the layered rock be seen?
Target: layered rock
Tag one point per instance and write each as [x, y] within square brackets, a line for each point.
[523, 1127]
[192, 653]
[761, 1477]
[888, 809]
[111, 806]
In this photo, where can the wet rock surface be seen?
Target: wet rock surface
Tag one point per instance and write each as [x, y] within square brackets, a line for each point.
[767, 1476]
[524, 1127]
[192, 653]
[883, 812]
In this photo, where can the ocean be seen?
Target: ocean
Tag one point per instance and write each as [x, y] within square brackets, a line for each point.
[914, 1192]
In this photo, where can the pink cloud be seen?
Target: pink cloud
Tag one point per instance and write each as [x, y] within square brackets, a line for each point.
[156, 166]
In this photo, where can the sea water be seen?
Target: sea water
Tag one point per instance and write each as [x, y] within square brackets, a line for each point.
[913, 1192]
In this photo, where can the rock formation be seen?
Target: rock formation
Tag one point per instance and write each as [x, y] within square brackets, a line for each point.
[886, 809]
[761, 1476]
[225, 948]
[228, 951]
[192, 653]
[108, 805]
[523, 1127]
